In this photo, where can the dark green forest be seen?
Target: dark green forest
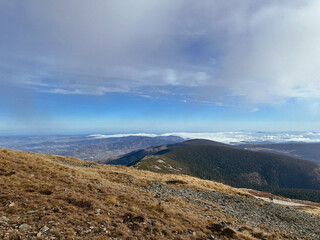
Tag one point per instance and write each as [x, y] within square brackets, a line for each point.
[286, 176]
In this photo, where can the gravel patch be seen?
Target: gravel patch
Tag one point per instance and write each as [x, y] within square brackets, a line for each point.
[249, 210]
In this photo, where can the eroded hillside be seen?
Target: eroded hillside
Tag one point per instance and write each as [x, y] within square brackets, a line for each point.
[52, 197]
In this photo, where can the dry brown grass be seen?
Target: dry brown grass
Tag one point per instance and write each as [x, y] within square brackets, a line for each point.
[81, 200]
[312, 210]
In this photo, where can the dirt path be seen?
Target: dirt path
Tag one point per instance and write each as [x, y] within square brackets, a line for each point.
[281, 202]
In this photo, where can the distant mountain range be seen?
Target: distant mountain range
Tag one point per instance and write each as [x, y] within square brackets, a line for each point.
[308, 151]
[103, 148]
[231, 165]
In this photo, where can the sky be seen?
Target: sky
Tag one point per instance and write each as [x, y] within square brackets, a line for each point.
[157, 66]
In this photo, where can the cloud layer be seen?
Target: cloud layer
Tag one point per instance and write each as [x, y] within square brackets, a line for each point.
[220, 51]
[231, 137]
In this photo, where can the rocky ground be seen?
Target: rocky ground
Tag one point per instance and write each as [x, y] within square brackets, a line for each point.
[289, 222]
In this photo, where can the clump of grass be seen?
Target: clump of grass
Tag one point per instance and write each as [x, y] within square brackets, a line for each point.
[134, 209]
[79, 203]
[121, 231]
[30, 190]
[45, 192]
[176, 182]
[46, 185]
[221, 230]
[111, 200]
[157, 209]
[11, 210]
[228, 232]
[4, 172]
[215, 227]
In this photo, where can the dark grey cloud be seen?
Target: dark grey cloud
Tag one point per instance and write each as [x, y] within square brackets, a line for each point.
[263, 52]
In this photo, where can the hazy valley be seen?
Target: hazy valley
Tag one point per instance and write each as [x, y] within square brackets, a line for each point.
[85, 147]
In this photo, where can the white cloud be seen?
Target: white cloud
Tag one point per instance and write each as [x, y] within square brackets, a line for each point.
[261, 52]
[255, 110]
[278, 56]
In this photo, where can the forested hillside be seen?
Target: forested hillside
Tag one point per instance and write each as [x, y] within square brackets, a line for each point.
[240, 168]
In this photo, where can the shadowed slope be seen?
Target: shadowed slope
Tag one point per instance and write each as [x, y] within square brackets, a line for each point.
[239, 168]
[132, 157]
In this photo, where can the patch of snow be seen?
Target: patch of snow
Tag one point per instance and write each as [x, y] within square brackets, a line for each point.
[172, 168]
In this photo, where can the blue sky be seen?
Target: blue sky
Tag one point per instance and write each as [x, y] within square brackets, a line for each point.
[159, 66]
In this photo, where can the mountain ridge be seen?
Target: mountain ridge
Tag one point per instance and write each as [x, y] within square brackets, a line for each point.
[129, 159]
[231, 165]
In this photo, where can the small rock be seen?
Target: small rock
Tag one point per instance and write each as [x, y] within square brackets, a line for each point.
[12, 204]
[3, 220]
[98, 211]
[44, 229]
[25, 227]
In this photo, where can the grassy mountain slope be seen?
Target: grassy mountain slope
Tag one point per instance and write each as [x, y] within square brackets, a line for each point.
[53, 197]
[239, 168]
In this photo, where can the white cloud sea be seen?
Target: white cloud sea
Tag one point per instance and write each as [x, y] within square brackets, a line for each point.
[231, 137]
